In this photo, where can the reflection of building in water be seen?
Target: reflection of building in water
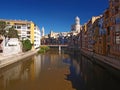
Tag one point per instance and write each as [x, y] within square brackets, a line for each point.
[35, 67]
[37, 64]
[29, 69]
[32, 70]
[11, 75]
[53, 59]
[77, 67]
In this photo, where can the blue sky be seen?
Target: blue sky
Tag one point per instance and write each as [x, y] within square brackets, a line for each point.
[56, 15]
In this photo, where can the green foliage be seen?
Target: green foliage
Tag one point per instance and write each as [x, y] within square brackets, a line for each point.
[26, 45]
[2, 27]
[43, 49]
[7, 31]
[12, 33]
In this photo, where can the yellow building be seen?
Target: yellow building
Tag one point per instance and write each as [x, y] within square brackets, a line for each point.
[26, 30]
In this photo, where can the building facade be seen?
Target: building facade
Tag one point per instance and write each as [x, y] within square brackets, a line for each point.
[26, 30]
[99, 37]
[113, 30]
[84, 37]
[90, 33]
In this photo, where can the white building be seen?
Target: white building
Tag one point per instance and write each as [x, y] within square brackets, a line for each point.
[26, 30]
[37, 37]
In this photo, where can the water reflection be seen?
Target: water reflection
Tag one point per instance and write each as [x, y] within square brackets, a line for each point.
[57, 71]
[74, 76]
[9, 76]
[90, 76]
[30, 74]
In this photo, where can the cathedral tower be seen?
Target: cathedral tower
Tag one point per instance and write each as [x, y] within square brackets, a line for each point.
[76, 27]
[77, 20]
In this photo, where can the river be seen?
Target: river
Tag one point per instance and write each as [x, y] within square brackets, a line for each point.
[57, 71]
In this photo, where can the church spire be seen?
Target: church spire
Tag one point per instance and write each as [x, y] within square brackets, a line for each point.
[43, 31]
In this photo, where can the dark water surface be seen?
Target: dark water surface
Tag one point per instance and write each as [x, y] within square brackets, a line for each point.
[57, 71]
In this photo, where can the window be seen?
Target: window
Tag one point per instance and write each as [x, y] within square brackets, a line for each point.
[28, 36]
[117, 28]
[28, 27]
[18, 27]
[108, 31]
[28, 32]
[117, 38]
[117, 19]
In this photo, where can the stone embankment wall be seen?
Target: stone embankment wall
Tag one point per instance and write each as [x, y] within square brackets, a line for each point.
[115, 63]
[7, 60]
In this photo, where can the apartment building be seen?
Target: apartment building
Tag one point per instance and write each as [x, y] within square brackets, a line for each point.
[99, 37]
[114, 9]
[90, 32]
[106, 17]
[26, 30]
[37, 37]
[84, 37]
[112, 26]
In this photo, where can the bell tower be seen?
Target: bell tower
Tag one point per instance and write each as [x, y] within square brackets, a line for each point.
[43, 31]
[77, 20]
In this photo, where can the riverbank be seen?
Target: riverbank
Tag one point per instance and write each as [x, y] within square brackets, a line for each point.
[7, 60]
[114, 63]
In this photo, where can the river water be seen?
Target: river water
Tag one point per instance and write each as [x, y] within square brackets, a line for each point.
[57, 71]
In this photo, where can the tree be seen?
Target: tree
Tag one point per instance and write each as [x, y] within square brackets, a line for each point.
[26, 45]
[2, 28]
[12, 33]
[7, 31]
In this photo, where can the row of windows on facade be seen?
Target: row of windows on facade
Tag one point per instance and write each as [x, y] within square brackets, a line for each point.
[23, 27]
[36, 44]
[28, 32]
[37, 40]
[25, 35]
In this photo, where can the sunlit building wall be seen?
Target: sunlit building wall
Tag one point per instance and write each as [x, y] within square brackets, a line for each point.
[26, 30]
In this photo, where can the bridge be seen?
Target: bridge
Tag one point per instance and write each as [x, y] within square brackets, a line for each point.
[60, 46]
